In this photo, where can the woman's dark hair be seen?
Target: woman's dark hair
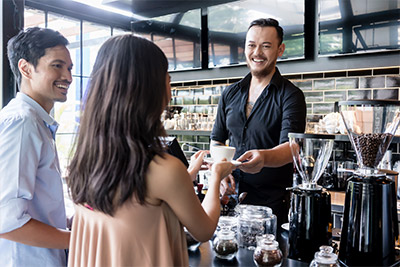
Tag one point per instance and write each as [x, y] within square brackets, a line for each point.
[120, 126]
[269, 23]
[31, 45]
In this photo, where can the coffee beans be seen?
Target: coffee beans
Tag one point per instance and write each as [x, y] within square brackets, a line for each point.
[225, 249]
[267, 257]
[371, 147]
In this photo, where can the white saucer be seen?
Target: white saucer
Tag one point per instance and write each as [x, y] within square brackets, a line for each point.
[285, 226]
[234, 162]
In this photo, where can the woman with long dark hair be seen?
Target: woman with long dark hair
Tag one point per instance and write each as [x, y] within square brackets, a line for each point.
[132, 198]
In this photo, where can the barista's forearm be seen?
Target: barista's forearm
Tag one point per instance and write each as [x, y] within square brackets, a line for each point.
[277, 156]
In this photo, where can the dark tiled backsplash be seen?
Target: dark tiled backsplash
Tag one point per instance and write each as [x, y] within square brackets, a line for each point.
[321, 90]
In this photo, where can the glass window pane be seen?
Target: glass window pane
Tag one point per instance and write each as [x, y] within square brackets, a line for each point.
[178, 36]
[117, 31]
[33, 18]
[94, 36]
[70, 28]
[228, 24]
[363, 26]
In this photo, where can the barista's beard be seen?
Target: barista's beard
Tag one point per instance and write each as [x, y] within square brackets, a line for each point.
[261, 73]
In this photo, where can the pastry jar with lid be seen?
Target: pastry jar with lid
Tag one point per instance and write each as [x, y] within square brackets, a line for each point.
[325, 258]
[267, 252]
[225, 244]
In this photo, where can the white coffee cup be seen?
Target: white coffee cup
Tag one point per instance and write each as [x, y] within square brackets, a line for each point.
[220, 152]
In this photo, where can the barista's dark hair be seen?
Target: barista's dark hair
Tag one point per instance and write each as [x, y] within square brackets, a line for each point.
[120, 125]
[31, 45]
[269, 22]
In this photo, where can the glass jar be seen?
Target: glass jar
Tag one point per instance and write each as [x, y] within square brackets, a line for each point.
[267, 252]
[325, 258]
[227, 222]
[225, 244]
[254, 221]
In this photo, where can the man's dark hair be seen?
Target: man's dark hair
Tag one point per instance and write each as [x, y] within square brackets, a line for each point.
[31, 45]
[269, 22]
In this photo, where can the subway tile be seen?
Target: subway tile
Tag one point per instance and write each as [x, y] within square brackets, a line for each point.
[292, 76]
[218, 89]
[313, 75]
[215, 99]
[191, 109]
[393, 81]
[309, 109]
[176, 84]
[347, 83]
[314, 97]
[178, 100]
[303, 85]
[358, 94]
[188, 100]
[386, 94]
[189, 138]
[203, 139]
[190, 83]
[203, 100]
[335, 74]
[222, 81]
[198, 91]
[333, 96]
[384, 71]
[359, 73]
[324, 108]
[183, 92]
[233, 80]
[372, 82]
[209, 90]
[199, 109]
[324, 84]
[185, 109]
[205, 82]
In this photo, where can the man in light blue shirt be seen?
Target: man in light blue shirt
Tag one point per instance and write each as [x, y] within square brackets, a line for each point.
[32, 213]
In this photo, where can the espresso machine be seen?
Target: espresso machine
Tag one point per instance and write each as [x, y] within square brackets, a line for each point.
[310, 219]
[370, 224]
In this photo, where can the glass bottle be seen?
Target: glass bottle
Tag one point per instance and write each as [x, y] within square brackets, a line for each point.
[225, 244]
[325, 258]
[267, 252]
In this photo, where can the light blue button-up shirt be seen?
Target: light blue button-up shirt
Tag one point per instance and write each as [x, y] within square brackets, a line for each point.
[30, 181]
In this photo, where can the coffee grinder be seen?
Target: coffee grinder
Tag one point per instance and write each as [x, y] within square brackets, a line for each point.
[370, 224]
[310, 219]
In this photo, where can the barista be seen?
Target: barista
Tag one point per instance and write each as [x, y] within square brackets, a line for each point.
[256, 114]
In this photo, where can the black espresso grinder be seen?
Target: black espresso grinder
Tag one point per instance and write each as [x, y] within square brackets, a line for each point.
[370, 224]
[310, 219]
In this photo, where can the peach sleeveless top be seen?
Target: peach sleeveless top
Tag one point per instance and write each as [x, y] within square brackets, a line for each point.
[137, 235]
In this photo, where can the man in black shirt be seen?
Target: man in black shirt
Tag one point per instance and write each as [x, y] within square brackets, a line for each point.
[256, 114]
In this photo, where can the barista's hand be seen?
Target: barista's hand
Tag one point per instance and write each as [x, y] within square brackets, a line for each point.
[195, 163]
[227, 186]
[254, 161]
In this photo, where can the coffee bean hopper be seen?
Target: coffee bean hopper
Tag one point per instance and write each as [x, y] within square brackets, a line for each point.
[310, 219]
[370, 224]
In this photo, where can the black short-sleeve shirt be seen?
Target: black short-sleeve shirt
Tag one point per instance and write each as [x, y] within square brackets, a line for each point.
[279, 109]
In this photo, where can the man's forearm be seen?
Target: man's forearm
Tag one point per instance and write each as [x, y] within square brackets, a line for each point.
[38, 234]
[277, 156]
